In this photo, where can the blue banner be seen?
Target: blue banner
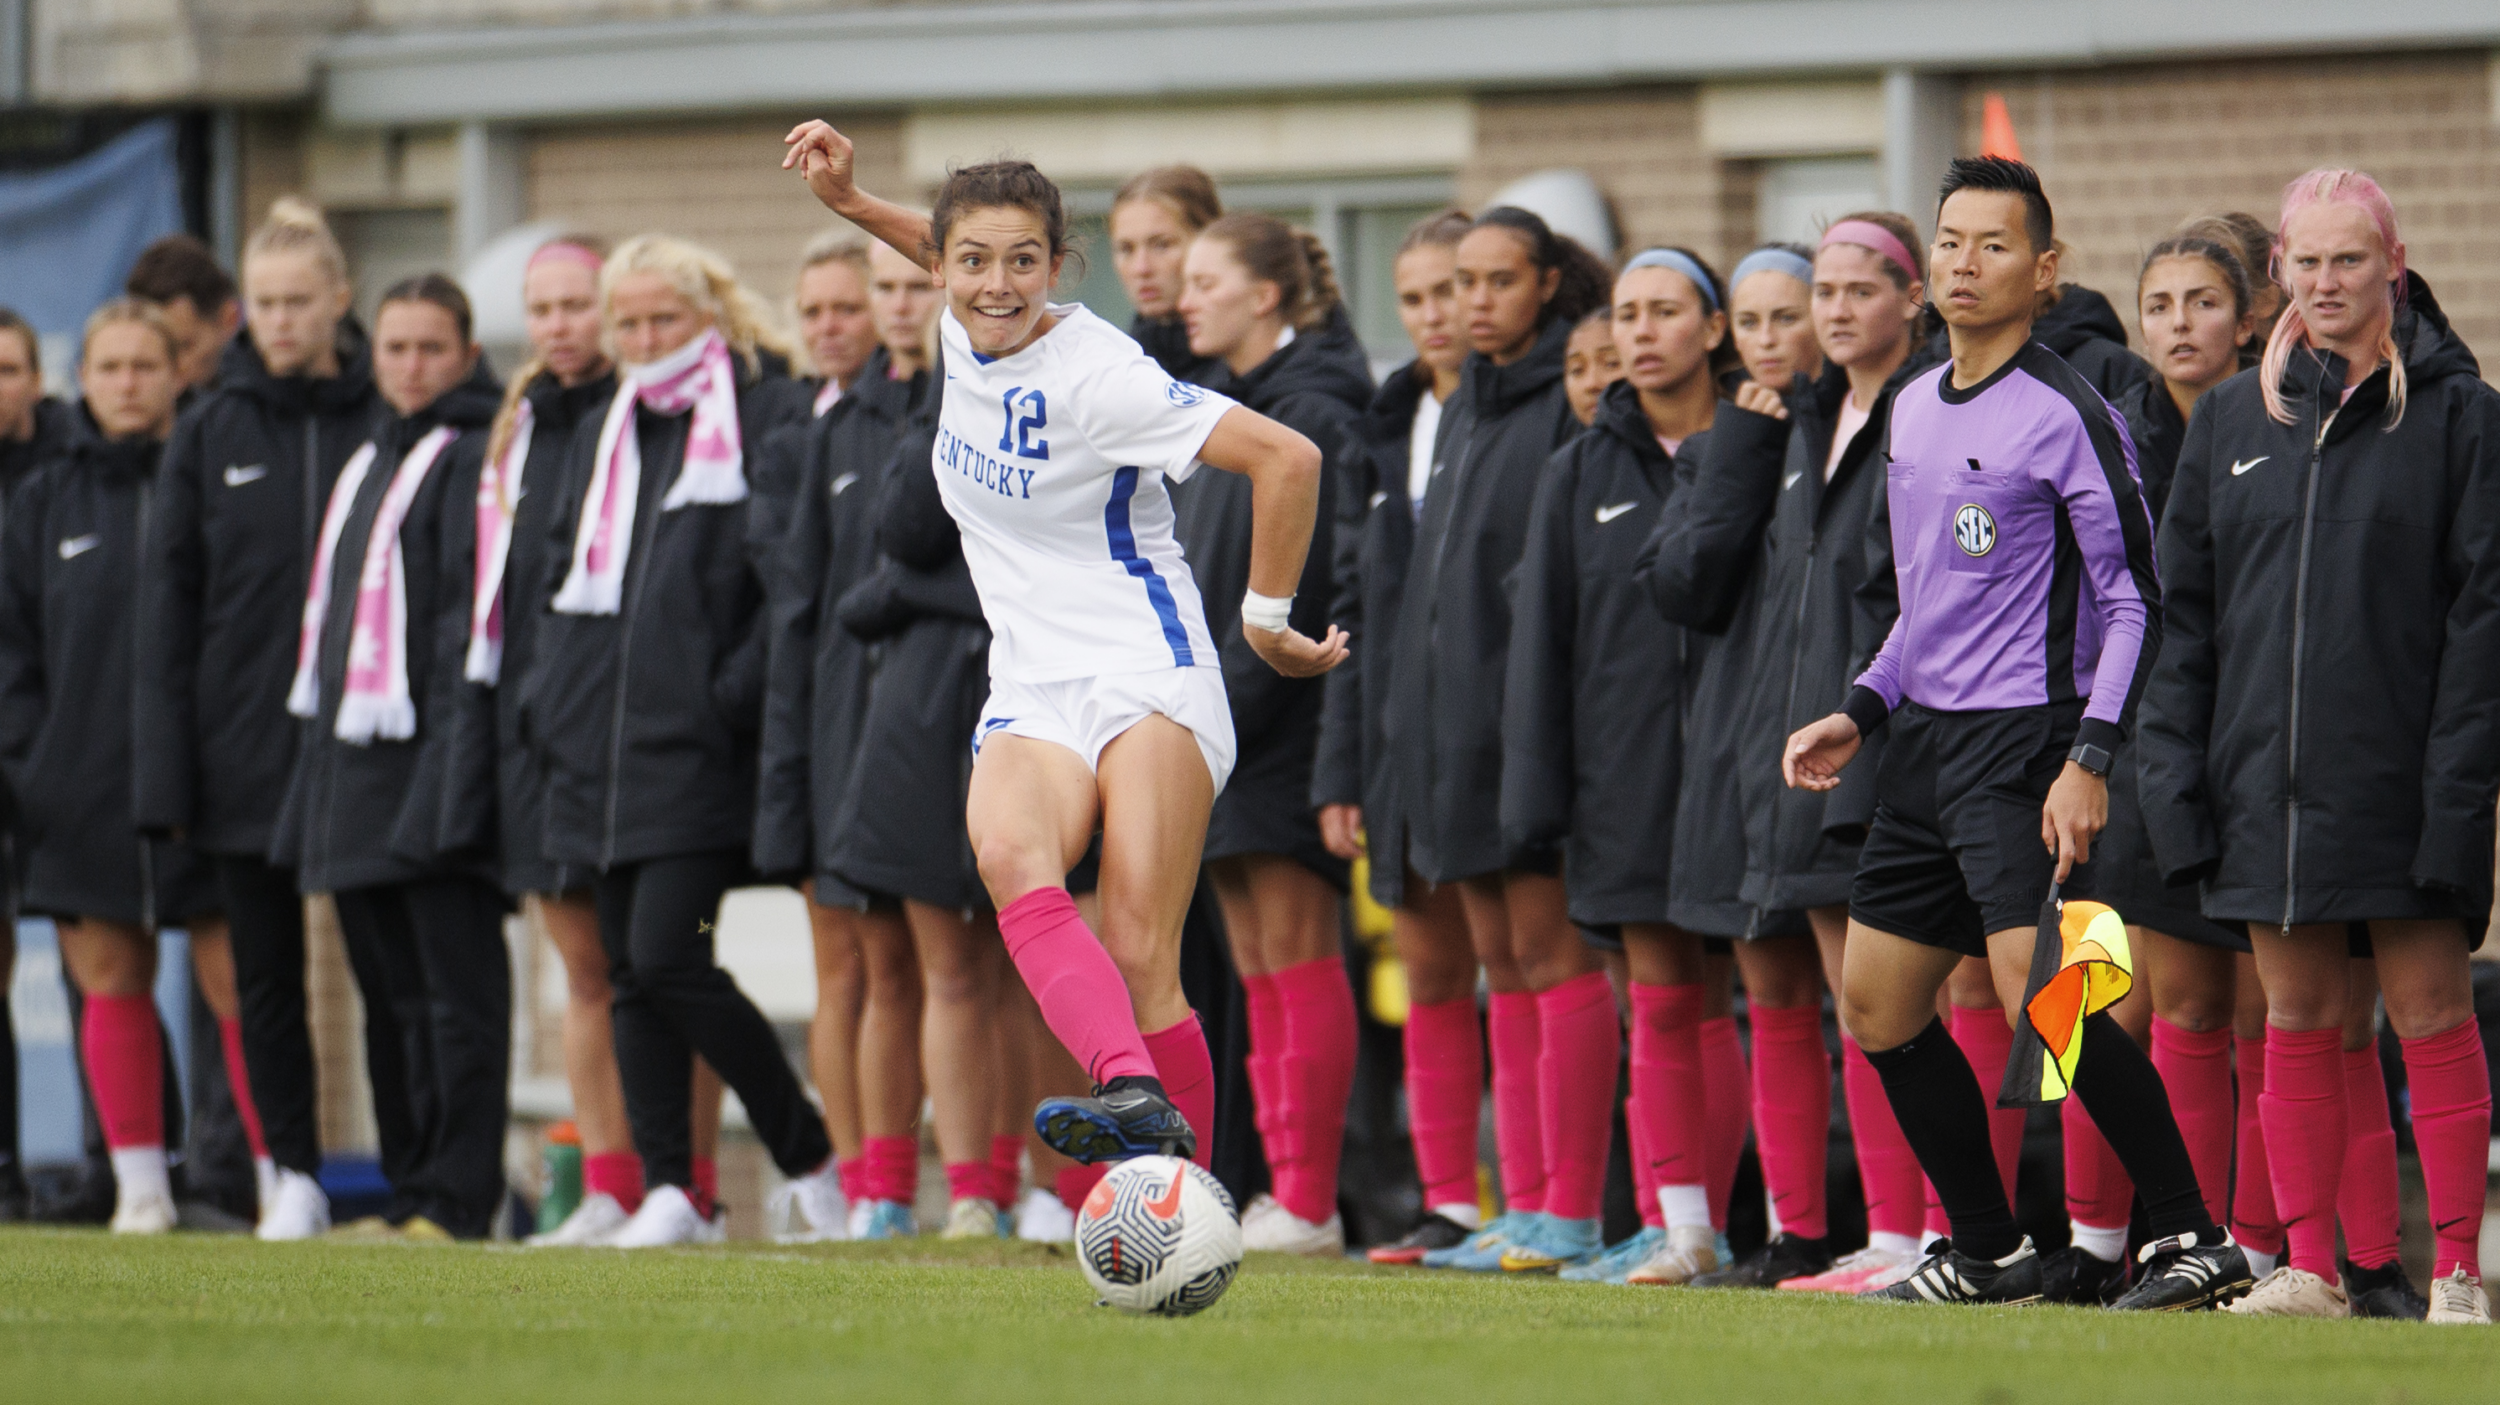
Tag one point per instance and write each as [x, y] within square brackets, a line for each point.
[69, 235]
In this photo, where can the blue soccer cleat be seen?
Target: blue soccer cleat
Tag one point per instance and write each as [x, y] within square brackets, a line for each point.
[888, 1219]
[1611, 1266]
[1482, 1251]
[1127, 1117]
[1555, 1244]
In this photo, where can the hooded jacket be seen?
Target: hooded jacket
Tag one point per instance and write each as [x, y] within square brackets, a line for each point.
[2085, 332]
[68, 614]
[648, 717]
[2321, 738]
[231, 536]
[1824, 613]
[495, 776]
[1702, 567]
[1592, 749]
[1316, 384]
[1166, 339]
[58, 426]
[1374, 540]
[1497, 435]
[817, 680]
[363, 815]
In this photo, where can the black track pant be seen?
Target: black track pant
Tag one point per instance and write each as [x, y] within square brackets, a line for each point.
[435, 946]
[265, 916]
[673, 1001]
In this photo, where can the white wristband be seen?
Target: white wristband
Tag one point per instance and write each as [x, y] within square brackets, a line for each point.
[1268, 612]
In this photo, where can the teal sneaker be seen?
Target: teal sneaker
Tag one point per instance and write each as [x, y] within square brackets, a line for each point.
[888, 1219]
[1481, 1252]
[1555, 1244]
[1611, 1266]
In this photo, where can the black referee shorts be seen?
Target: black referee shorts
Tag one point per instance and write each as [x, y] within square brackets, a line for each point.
[1954, 852]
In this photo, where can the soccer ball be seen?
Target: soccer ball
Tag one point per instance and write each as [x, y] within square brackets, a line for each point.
[1159, 1235]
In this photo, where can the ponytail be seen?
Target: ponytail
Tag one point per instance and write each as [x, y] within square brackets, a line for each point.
[1273, 251]
[508, 414]
[296, 226]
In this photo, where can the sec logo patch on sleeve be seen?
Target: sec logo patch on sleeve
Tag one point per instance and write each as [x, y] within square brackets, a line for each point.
[1974, 531]
[1183, 393]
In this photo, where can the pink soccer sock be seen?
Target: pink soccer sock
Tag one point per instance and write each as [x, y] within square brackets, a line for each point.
[124, 1070]
[1270, 1091]
[1518, 1133]
[2304, 1112]
[1667, 1084]
[852, 1174]
[1074, 1183]
[2195, 1068]
[615, 1174]
[1319, 1070]
[893, 1168]
[1180, 1060]
[1792, 1099]
[2098, 1193]
[971, 1180]
[2253, 1218]
[1444, 1097]
[1581, 1045]
[2451, 1088]
[1986, 1039]
[2366, 1201]
[1727, 1109]
[1644, 1180]
[706, 1188]
[1080, 992]
[1896, 1191]
[1006, 1167]
[239, 1080]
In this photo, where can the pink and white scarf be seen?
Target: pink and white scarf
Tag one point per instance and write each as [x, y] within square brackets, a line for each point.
[698, 374]
[375, 701]
[498, 493]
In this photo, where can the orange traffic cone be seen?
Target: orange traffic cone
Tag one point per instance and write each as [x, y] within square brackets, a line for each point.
[1996, 130]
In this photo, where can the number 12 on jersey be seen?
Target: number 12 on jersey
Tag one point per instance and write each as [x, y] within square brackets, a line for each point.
[1015, 434]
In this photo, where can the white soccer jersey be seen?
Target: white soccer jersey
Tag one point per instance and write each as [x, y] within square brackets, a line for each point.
[1053, 461]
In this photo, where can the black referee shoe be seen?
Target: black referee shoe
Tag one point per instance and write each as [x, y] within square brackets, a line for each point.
[1126, 1117]
[2181, 1275]
[1951, 1276]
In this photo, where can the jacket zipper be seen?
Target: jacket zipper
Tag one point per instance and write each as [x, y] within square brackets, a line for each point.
[2300, 624]
[314, 833]
[626, 614]
[147, 846]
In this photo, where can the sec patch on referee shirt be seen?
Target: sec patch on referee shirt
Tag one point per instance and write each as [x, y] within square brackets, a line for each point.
[1974, 531]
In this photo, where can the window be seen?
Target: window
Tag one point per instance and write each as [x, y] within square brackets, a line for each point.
[1796, 199]
[1361, 222]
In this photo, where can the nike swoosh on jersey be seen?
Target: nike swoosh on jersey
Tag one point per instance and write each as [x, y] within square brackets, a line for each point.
[252, 473]
[843, 482]
[2244, 466]
[79, 546]
[1610, 513]
[1791, 480]
[1378, 498]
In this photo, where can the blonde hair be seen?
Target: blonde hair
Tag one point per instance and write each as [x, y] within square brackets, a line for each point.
[705, 279]
[128, 309]
[296, 226]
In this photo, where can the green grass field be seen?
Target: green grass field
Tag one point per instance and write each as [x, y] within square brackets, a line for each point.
[85, 1317]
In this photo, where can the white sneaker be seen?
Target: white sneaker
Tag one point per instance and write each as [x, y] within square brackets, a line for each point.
[2296, 1292]
[1260, 1207]
[1044, 1218]
[144, 1212]
[1281, 1231]
[1691, 1250]
[143, 1201]
[809, 1210]
[2458, 1300]
[971, 1218]
[297, 1209]
[667, 1217]
[592, 1223]
[264, 1183]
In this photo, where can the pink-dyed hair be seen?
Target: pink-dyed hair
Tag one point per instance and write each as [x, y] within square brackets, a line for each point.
[2334, 185]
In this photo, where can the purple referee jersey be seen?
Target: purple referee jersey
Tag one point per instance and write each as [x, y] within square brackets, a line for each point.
[2023, 548]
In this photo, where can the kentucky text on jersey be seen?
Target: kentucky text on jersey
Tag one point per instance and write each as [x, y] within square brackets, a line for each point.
[1004, 479]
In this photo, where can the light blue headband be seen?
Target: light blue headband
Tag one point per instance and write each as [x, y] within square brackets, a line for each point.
[1773, 260]
[1680, 262]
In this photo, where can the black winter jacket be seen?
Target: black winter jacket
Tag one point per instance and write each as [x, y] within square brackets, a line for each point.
[1702, 567]
[2321, 739]
[1166, 339]
[817, 681]
[1444, 723]
[230, 542]
[648, 717]
[2084, 330]
[57, 427]
[1823, 616]
[363, 815]
[1317, 384]
[68, 614]
[495, 772]
[1592, 732]
[1374, 540]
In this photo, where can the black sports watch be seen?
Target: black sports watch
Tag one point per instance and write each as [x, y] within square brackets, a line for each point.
[2091, 758]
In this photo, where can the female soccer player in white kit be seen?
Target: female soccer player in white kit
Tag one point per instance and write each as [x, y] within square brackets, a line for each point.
[1056, 434]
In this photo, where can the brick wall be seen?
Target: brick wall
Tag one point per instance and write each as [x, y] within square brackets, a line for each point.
[1643, 146]
[717, 182]
[2129, 152]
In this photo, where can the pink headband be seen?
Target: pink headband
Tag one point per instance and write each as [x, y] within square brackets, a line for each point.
[566, 251]
[1869, 235]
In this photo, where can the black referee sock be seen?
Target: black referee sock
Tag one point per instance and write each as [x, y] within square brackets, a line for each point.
[2124, 1093]
[1944, 1116]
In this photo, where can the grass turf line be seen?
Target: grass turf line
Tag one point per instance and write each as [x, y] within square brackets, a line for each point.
[84, 1316]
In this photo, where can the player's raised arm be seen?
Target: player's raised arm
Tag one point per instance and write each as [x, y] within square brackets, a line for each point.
[823, 158]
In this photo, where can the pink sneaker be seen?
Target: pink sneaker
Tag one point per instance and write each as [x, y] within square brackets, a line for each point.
[1869, 1267]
